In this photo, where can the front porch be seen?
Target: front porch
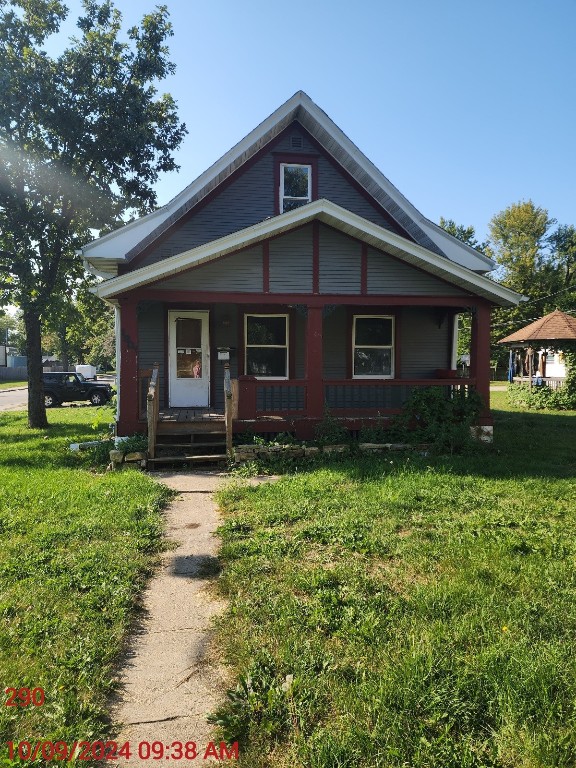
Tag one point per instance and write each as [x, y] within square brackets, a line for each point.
[323, 363]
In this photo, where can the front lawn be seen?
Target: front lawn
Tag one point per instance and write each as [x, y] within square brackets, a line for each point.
[408, 611]
[76, 545]
[12, 384]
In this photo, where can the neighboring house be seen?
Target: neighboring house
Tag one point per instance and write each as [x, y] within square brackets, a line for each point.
[294, 251]
[537, 347]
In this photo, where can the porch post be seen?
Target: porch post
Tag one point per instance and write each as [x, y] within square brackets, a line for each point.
[480, 357]
[314, 363]
[128, 410]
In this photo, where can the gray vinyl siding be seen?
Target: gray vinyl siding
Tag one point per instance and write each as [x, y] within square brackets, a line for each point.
[291, 262]
[238, 272]
[299, 320]
[151, 319]
[340, 262]
[224, 333]
[333, 186]
[248, 199]
[387, 275]
[335, 339]
[284, 146]
[424, 346]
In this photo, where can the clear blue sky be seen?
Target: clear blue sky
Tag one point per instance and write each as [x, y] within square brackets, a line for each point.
[466, 107]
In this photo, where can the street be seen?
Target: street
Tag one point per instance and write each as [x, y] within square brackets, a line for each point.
[14, 400]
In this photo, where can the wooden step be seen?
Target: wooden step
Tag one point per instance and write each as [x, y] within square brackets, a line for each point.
[215, 457]
[190, 428]
[192, 444]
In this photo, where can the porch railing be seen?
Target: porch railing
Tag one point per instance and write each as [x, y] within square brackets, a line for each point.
[365, 395]
[152, 408]
[352, 396]
[258, 397]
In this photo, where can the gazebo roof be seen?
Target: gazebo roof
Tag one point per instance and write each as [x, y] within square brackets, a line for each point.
[557, 326]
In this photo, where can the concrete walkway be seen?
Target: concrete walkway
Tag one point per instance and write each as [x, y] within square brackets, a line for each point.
[170, 679]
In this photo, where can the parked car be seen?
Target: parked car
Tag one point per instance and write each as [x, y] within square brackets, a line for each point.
[70, 387]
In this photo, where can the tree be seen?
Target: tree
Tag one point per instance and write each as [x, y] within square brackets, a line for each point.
[563, 242]
[520, 239]
[80, 328]
[83, 137]
[12, 331]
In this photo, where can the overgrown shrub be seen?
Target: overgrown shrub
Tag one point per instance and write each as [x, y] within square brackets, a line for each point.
[382, 430]
[330, 431]
[441, 418]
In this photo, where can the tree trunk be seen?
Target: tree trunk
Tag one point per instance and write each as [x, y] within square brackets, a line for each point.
[36, 408]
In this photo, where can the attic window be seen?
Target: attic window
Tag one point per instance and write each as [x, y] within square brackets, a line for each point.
[295, 186]
[296, 142]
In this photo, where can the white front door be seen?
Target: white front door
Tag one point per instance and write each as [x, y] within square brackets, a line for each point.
[188, 359]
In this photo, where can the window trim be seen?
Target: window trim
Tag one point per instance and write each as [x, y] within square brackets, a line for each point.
[281, 196]
[296, 158]
[391, 347]
[286, 346]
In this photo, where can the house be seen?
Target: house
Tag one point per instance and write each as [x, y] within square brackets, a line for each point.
[294, 256]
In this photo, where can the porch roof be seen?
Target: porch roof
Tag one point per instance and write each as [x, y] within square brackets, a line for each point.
[334, 216]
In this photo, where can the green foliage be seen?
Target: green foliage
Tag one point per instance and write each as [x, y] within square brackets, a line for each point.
[83, 138]
[330, 431]
[133, 443]
[76, 546]
[533, 260]
[260, 702]
[382, 430]
[543, 397]
[79, 327]
[423, 608]
[443, 419]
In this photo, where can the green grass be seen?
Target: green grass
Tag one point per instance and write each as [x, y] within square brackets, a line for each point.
[425, 607]
[76, 545]
[12, 384]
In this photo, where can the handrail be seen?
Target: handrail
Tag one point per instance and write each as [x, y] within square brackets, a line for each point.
[152, 409]
[229, 406]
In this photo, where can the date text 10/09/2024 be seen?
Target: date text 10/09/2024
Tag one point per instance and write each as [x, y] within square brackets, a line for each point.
[112, 750]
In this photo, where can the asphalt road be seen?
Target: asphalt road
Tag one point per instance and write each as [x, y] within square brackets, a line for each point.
[14, 400]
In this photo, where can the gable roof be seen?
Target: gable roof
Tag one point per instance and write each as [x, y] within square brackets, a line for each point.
[333, 215]
[105, 254]
[557, 326]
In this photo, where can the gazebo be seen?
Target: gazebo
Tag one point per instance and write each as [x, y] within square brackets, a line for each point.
[547, 332]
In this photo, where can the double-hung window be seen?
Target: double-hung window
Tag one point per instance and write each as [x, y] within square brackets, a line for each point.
[266, 346]
[373, 346]
[295, 186]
